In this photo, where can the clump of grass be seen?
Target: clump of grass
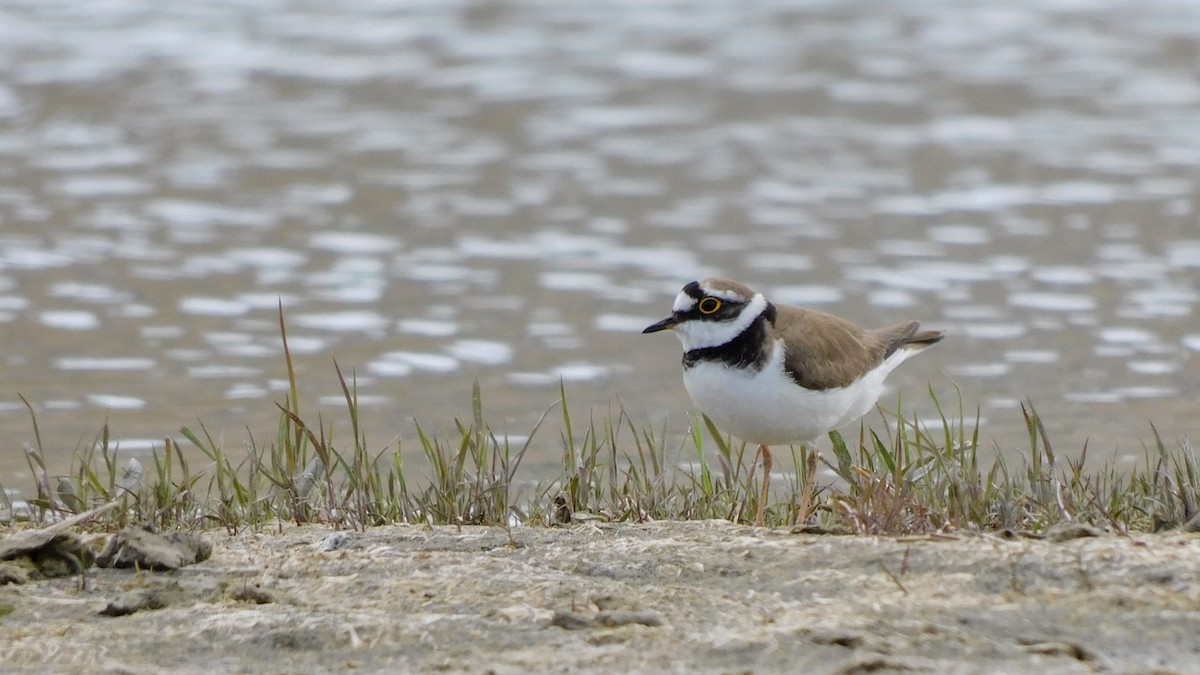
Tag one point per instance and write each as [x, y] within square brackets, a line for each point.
[907, 478]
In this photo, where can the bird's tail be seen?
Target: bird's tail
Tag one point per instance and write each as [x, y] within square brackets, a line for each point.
[925, 338]
[905, 336]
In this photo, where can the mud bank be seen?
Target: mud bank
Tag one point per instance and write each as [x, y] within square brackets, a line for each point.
[666, 597]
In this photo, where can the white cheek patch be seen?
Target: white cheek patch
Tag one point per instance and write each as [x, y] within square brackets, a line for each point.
[684, 303]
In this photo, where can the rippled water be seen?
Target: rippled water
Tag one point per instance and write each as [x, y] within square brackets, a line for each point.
[509, 191]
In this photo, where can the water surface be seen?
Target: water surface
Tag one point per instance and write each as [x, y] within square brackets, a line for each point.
[508, 191]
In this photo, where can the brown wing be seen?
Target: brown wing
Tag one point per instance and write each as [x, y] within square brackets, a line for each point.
[826, 351]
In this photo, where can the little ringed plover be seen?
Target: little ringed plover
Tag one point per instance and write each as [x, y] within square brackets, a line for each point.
[771, 373]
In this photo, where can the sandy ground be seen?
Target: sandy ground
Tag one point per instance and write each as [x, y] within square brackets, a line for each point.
[660, 597]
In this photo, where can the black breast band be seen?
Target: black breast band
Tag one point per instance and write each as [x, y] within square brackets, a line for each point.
[747, 350]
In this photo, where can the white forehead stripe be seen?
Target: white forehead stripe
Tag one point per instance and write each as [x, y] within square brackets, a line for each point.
[725, 294]
[683, 302]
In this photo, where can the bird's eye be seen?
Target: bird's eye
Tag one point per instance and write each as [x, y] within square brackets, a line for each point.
[709, 305]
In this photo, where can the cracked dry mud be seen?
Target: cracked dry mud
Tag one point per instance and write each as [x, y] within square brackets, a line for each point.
[670, 596]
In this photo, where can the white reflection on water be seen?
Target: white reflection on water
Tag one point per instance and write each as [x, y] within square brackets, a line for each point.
[98, 185]
[69, 319]
[488, 352]
[570, 372]
[427, 327]
[960, 235]
[342, 322]
[1168, 301]
[1053, 302]
[212, 306]
[438, 363]
[892, 299]
[217, 371]
[116, 402]
[983, 370]
[1063, 275]
[993, 331]
[116, 364]
[1127, 335]
[806, 295]
[1153, 367]
[352, 242]
[623, 323]
[87, 292]
[161, 332]
[233, 344]
[575, 281]
[1031, 356]
[246, 391]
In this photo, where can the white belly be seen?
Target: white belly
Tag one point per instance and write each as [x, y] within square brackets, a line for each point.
[768, 407]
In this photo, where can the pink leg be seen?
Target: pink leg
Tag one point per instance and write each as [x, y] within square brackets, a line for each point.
[760, 519]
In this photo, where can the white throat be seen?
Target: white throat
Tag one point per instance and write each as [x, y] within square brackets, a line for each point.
[701, 334]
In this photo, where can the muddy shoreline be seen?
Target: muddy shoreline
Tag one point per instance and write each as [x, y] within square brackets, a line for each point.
[666, 597]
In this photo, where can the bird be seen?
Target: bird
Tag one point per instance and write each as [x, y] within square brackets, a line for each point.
[771, 374]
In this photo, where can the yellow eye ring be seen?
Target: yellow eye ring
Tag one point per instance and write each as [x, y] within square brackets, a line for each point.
[709, 305]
